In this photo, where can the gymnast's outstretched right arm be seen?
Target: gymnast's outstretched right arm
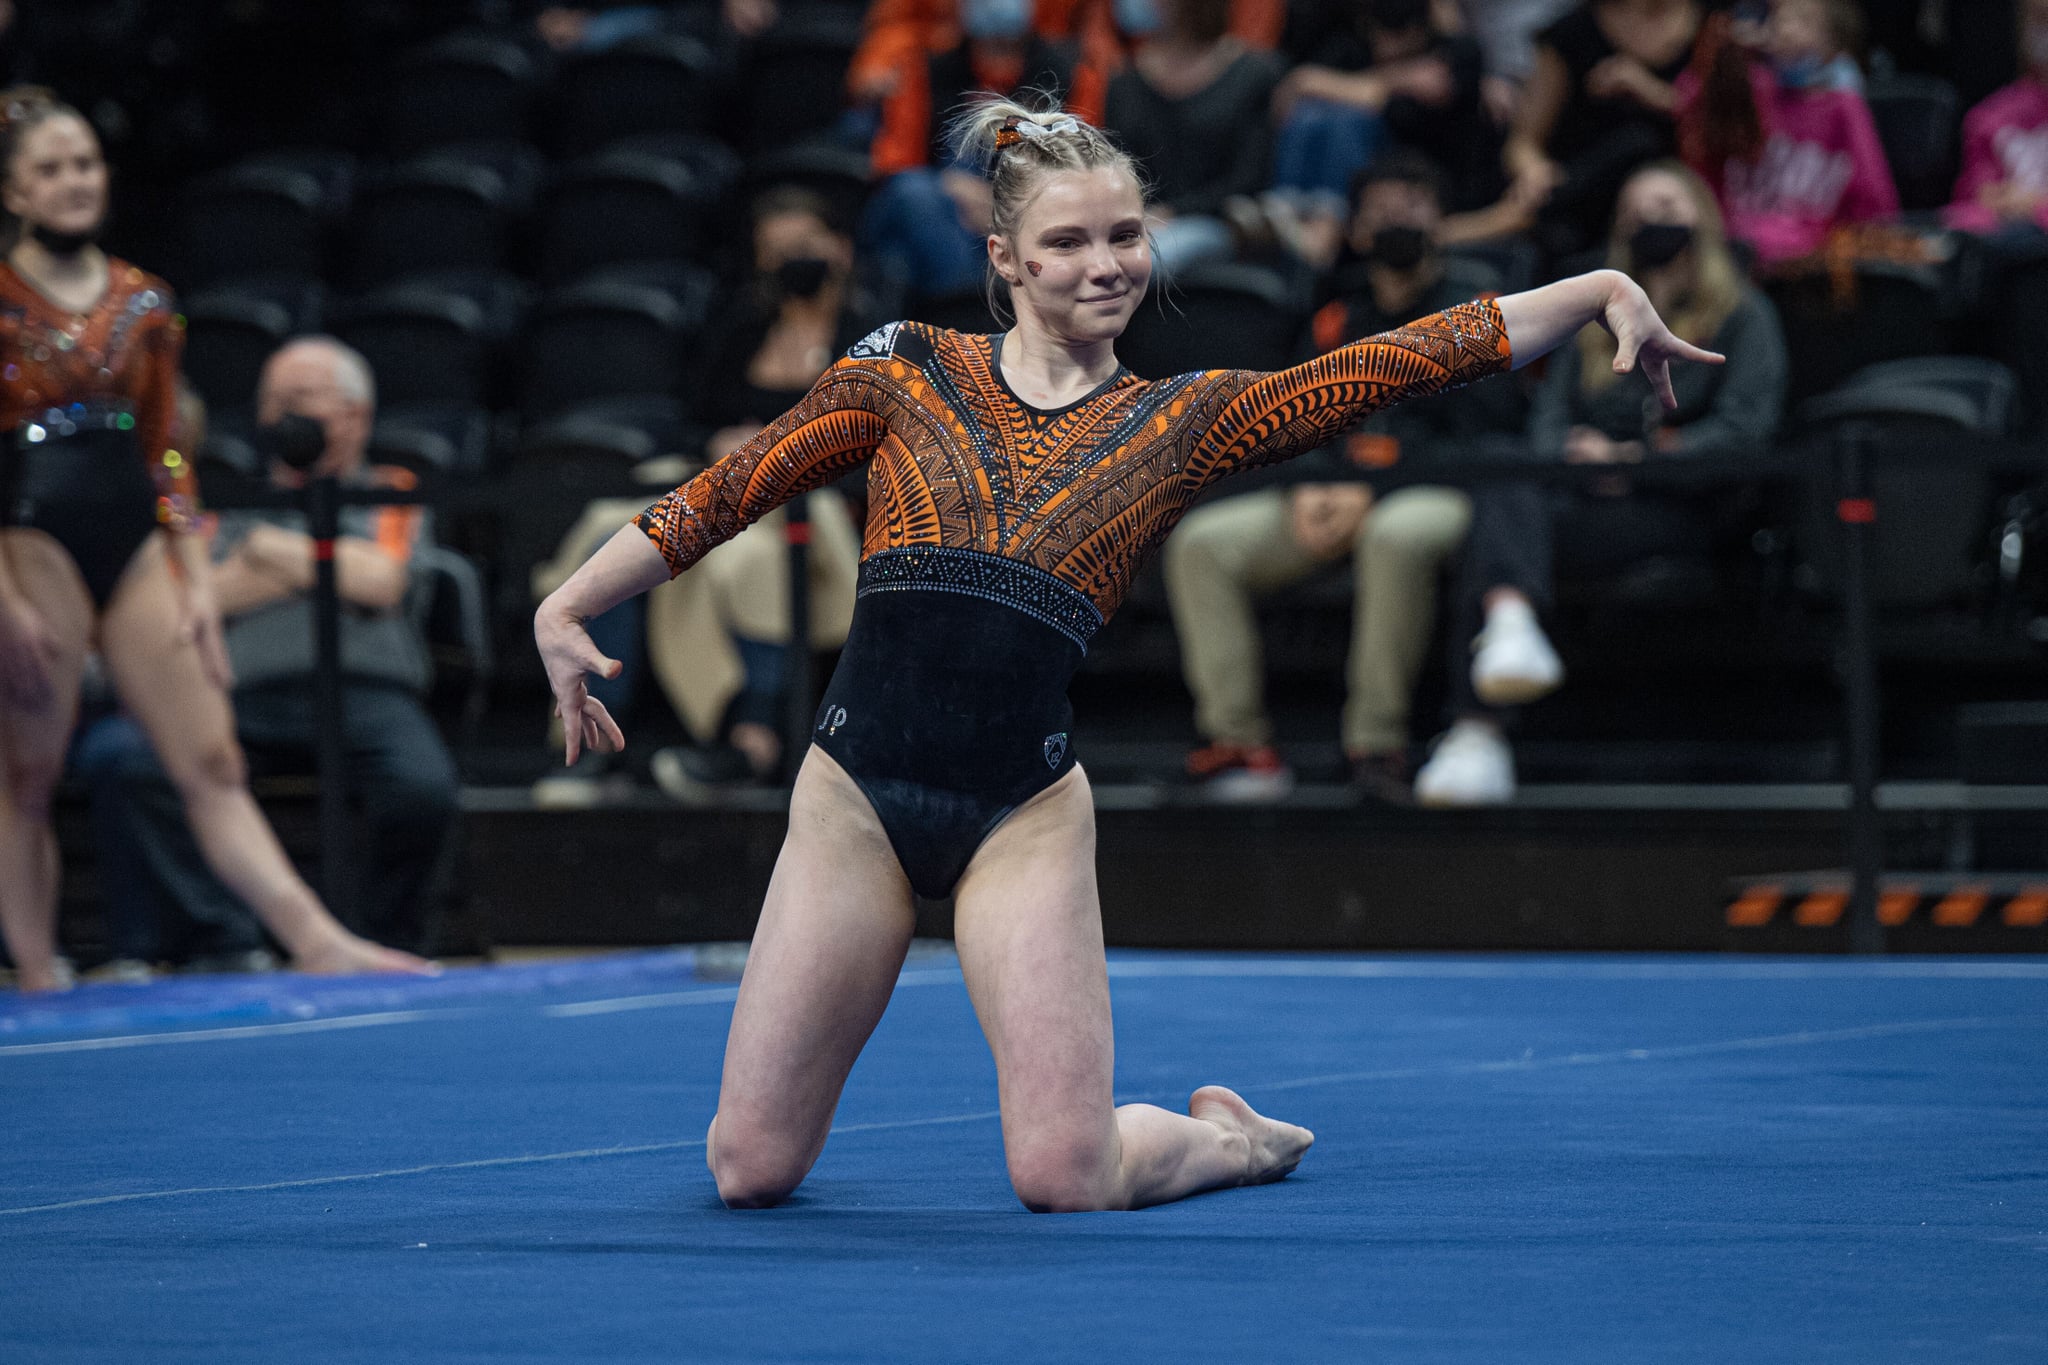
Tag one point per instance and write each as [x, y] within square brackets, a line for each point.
[833, 430]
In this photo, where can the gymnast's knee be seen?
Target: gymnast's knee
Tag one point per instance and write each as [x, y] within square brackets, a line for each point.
[1061, 1177]
[753, 1171]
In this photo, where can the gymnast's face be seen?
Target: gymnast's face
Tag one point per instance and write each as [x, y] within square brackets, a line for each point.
[1079, 263]
[58, 179]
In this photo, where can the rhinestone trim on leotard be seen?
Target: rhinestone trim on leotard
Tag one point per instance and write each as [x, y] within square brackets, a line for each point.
[934, 568]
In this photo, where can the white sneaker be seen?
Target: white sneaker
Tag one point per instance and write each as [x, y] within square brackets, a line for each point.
[1471, 766]
[1512, 661]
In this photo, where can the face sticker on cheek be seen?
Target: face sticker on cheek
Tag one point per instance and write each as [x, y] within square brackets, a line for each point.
[1034, 267]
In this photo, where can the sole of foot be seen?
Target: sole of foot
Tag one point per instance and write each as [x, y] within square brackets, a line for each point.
[1276, 1147]
[360, 957]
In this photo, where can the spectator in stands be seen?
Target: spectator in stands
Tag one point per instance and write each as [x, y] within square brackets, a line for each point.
[1668, 236]
[1372, 75]
[719, 645]
[1816, 164]
[1506, 32]
[1191, 107]
[1600, 102]
[593, 25]
[1106, 32]
[1226, 554]
[2003, 188]
[928, 222]
[319, 391]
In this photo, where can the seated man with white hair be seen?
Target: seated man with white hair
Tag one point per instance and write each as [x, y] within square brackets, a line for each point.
[400, 770]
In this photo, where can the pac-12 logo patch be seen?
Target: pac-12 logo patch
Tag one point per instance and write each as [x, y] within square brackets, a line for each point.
[879, 344]
[1055, 749]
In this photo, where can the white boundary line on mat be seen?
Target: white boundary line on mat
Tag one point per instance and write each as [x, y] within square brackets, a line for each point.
[215, 1035]
[1386, 969]
[1679, 1051]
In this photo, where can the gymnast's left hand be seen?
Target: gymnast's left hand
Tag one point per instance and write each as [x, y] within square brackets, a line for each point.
[1642, 341]
[568, 652]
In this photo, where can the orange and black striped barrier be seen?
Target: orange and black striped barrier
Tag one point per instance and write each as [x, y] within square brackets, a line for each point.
[1944, 900]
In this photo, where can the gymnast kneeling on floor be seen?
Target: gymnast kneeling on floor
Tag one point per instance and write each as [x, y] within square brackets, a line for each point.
[1016, 482]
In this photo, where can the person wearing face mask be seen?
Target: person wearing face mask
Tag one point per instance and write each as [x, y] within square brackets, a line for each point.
[100, 549]
[2002, 190]
[717, 643]
[1813, 161]
[1227, 554]
[1667, 237]
[926, 219]
[316, 401]
[720, 646]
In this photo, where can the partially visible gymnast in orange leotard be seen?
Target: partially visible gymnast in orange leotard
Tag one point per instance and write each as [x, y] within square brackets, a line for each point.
[1015, 483]
[99, 549]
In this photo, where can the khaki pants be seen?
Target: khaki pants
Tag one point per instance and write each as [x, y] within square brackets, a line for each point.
[741, 588]
[1228, 553]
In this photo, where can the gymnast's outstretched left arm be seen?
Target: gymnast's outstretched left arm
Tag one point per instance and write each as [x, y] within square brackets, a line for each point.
[1538, 321]
[1270, 417]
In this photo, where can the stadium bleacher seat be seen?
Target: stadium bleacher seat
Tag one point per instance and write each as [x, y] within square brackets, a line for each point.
[459, 437]
[655, 83]
[839, 175]
[620, 206]
[465, 86]
[793, 77]
[230, 334]
[602, 340]
[1893, 312]
[430, 214]
[1934, 502]
[1919, 120]
[254, 219]
[1215, 317]
[422, 343]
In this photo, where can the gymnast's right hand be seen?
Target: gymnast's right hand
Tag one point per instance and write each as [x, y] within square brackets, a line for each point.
[28, 653]
[568, 653]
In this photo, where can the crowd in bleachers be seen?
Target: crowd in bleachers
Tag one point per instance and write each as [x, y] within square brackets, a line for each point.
[587, 248]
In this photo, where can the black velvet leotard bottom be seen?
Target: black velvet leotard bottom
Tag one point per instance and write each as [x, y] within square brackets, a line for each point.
[76, 474]
[949, 706]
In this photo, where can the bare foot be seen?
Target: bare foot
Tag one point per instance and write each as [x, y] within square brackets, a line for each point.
[47, 978]
[352, 956]
[1276, 1147]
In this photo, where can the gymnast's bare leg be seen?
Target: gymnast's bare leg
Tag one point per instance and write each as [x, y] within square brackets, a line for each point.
[832, 938]
[1029, 927]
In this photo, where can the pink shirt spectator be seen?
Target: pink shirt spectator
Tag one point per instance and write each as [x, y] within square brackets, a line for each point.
[1822, 166]
[2004, 139]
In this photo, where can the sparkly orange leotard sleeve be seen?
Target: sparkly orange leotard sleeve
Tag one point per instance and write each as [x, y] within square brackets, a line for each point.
[1083, 492]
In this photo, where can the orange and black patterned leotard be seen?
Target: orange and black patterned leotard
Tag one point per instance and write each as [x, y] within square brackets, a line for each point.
[1001, 536]
[87, 404]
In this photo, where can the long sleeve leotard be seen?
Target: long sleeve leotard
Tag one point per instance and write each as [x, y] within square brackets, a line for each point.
[1000, 537]
[1081, 492]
